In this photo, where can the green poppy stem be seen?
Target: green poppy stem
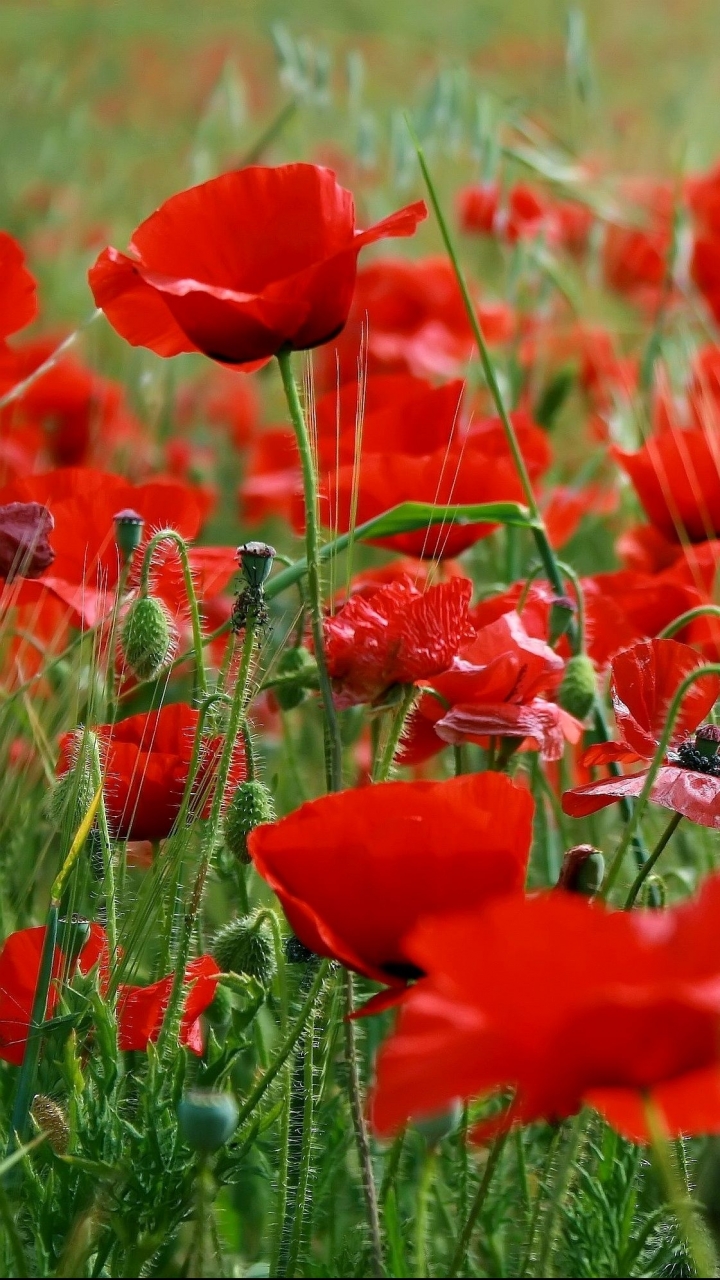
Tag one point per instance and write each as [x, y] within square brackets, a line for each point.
[171, 535]
[647, 867]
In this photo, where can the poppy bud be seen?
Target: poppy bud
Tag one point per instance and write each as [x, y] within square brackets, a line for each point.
[653, 893]
[51, 1119]
[25, 551]
[146, 637]
[256, 559]
[296, 674]
[129, 527]
[578, 688]
[207, 1119]
[219, 1012]
[246, 946]
[72, 936]
[440, 1125]
[582, 870]
[250, 806]
[707, 740]
[562, 612]
[72, 794]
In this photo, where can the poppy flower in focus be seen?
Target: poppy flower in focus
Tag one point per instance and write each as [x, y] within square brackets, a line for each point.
[492, 689]
[18, 297]
[147, 760]
[645, 679]
[676, 475]
[409, 317]
[141, 1009]
[395, 635]
[586, 1006]
[20, 956]
[354, 871]
[242, 266]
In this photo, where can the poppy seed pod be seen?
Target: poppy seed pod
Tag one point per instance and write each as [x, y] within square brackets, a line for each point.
[579, 687]
[51, 1119]
[256, 561]
[207, 1119]
[129, 527]
[73, 936]
[296, 675]
[146, 637]
[250, 807]
[582, 870]
[246, 946]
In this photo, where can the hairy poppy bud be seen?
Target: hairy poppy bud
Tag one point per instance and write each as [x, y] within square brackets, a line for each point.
[582, 870]
[146, 637]
[579, 687]
[129, 527]
[562, 612]
[246, 946]
[73, 792]
[296, 674]
[256, 560]
[440, 1125]
[653, 893]
[250, 806]
[51, 1119]
[207, 1119]
[25, 551]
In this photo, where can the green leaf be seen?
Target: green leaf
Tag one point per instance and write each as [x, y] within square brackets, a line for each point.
[409, 516]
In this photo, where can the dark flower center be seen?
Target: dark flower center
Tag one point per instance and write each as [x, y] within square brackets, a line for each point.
[701, 752]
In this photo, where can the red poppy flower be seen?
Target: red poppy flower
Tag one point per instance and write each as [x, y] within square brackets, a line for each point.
[146, 760]
[409, 317]
[396, 635]
[645, 678]
[492, 689]
[242, 266]
[141, 1009]
[83, 503]
[586, 1005]
[18, 300]
[676, 475]
[354, 871]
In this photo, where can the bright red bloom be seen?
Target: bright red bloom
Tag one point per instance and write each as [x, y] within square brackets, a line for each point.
[354, 871]
[147, 760]
[645, 678]
[676, 475]
[242, 266]
[140, 1009]
[409, 317]
[83, 502]
[567, 1003]
[18, 300]
[395, 635]
[492, 689]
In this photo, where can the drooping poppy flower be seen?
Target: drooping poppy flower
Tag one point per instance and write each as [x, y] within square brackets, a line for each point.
[645, 679]
[493, 688]
[567, 1003]
[409, 317]
[396, 635]
[18, 298]
[83, 503]
[242, 266]
[146, 761]
[676, 475]
[141, 1009]
[25, 549]
[354, 871]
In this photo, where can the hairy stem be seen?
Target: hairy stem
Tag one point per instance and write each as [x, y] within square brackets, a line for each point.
[361, 1133]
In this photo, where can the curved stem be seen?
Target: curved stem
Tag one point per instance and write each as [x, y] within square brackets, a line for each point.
[172, 535]
[647, 867]
[361, 1133]
[683, 619]
[382, 772]
[312, 545]
[493, 1160]
[710, 669]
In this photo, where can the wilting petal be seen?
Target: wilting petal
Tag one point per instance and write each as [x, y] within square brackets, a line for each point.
[541, 721]
[695, 795]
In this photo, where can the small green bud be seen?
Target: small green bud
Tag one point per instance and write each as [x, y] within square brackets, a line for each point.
[219, 1012]
[440, 1125]
[582, 870]
[296, 674]
[246, 946]
[129, 527]
[250, 806]
[579, 687]
[653, 893]
[562, 612]
[146, 637]
[207, 1119]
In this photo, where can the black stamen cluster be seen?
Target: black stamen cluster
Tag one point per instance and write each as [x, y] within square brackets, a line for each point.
[688, 757]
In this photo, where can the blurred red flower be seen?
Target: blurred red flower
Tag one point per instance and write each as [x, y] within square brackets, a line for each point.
[147, 760]
[645, 679]
[141, 1009]
[584, 1006]
[676, 475]
[492, 689]
[18, 299]
[242, 266]
[395, 635]
[354, 871]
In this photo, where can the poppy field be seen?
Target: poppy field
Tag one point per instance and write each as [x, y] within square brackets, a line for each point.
[359, 641]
